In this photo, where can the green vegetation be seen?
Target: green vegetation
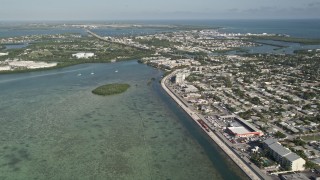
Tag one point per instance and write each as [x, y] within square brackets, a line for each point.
[279, 134]
[255, 100]
[256, 159]
[246, 114]
[311, 138]
[238, 92]
[261, 160]
[230, 108]
[310, 165]
[110, 89]
[299, 142]
[194, 77]
[60, 50]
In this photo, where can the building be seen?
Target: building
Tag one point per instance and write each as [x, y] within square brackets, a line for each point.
[180, 77]
[284, 156]
[190, 89]
[83, 55]
[5, 68]
[297, 176]
[243, 128]
[242, 132]
[4, 54]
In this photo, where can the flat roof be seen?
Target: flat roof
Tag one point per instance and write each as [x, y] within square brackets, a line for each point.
[249, 125]
[298, 176]
[292, 157]
[239, 130]
[279, 149]
[270, 141]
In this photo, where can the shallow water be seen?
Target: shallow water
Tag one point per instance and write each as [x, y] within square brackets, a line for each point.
[53, 127]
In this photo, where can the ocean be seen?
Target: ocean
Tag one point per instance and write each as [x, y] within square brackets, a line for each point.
[53, 127]
[304, 28]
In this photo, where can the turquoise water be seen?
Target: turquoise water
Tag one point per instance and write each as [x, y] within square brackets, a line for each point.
[53, 127]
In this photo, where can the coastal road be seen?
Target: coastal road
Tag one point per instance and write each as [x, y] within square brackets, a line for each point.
[211, 134]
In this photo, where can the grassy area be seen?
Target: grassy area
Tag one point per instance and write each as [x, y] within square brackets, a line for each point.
[60, 51]
[110, 89]
[311, 138]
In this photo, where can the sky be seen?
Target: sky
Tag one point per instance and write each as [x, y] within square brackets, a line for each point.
[20, 10]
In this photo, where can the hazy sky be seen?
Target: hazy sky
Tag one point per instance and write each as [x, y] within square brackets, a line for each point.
[157, 9]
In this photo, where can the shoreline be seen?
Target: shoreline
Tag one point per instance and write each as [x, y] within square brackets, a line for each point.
[244, 167]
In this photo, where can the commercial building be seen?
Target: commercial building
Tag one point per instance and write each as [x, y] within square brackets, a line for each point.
[242, 132]
[286, 158]
[243, 128]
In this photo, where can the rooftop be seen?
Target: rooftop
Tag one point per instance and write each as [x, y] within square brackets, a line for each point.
[279, 149]
[239, 130]
[270, 141]
[292, 157]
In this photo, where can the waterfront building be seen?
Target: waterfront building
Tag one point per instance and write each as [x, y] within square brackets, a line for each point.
[242, 132]
[284, 156]
[180, 77]
[5, 68]
[243, 128]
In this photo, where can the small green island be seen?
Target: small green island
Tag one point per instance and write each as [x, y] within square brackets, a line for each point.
[110, 89]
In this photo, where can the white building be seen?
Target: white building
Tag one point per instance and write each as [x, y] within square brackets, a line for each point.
[180, 77]
[83, 55]
[5, 68]
[190, 89]
[4, 54]
[284, 156]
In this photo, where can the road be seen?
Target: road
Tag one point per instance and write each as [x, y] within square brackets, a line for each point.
[242, 165]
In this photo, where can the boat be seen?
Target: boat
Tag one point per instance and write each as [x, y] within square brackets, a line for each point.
[116, 71]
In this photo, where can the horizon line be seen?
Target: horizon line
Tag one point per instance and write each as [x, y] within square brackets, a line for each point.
[157, 19]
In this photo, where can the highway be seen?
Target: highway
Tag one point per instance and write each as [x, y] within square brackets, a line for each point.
[110, 41]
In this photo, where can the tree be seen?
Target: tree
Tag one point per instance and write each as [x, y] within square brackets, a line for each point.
[299, 142]
[310, 165]
[255, 101]
[279, 134]
[227, 82]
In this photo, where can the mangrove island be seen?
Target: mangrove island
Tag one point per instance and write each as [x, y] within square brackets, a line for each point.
[110, 89]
